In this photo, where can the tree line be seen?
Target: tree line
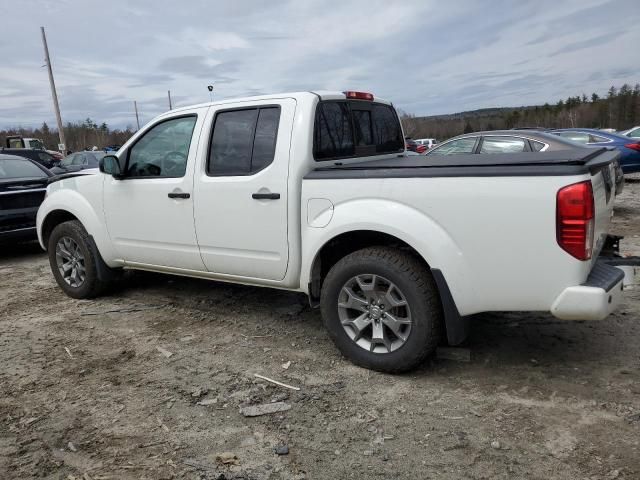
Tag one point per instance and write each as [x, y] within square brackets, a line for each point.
[78, 135]
[619, 109]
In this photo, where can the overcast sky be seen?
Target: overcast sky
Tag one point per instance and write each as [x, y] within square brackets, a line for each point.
[429, 57]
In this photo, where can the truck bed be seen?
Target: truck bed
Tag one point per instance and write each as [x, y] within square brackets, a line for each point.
[559, 163]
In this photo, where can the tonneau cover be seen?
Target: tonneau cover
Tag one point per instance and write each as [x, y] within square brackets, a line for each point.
[565, 162]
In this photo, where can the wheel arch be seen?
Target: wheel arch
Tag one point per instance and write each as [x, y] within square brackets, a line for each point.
[51, 221]
[342, 244]
[64, 204]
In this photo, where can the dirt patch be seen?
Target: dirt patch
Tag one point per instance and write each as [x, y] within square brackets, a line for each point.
[149, 382]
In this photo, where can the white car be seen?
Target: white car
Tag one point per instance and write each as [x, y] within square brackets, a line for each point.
[312, 192]
[427, 142]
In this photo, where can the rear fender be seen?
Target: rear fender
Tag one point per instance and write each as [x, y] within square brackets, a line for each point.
[413, 227]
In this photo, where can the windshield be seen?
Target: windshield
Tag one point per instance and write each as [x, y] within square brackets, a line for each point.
[18, 168]
[82, 158]
[35, 144]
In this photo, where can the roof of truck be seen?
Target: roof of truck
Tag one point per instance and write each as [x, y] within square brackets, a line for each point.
[323, 94]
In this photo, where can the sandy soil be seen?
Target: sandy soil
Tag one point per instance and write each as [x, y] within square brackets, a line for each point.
[114, 388]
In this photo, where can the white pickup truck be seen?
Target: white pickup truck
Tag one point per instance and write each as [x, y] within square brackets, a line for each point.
[312, 192]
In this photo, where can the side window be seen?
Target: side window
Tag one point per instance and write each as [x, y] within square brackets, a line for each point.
[163, 150]
[243, 141]
[264, 143]
[537, 146]
[502, 145]
[597, 139]
[333, 137]
[455, 147]
[575, 136]
[43, 156]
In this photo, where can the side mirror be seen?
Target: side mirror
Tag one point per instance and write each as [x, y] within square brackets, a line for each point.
[110, 165]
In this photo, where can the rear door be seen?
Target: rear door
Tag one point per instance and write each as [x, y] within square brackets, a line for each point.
[241, 192]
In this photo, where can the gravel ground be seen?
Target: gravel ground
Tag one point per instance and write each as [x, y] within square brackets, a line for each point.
[148, 383]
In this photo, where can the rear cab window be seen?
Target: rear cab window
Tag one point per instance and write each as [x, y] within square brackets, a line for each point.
[355, 128]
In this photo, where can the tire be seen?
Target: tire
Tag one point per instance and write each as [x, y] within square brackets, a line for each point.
[413, 285]
[73, 233]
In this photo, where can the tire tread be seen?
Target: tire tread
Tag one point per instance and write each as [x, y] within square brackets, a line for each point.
[413, 269]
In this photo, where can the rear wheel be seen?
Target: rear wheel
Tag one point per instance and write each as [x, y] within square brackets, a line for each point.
[382, 310]
[74, 262]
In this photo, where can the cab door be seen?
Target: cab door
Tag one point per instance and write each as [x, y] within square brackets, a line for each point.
[149, 212]
[241, 192]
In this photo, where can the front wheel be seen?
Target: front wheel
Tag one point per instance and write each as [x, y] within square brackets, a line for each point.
[382, 310]
[74, 262]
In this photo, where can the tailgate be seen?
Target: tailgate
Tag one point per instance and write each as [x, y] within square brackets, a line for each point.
[604, 193]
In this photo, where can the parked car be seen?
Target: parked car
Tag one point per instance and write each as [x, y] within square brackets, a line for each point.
[78, 161]
[22, 187]
[311, 192]
[502, 141]
[633, 132]
[17, 141]
[43, 158]
[427, 142]
[57, 156]
[513, 141]
[112, 148]
[629, 148]
[413, 146]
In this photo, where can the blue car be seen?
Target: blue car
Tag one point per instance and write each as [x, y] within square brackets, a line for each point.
[629, 147]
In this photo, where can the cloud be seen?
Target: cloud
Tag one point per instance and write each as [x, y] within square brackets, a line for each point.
[586, 43]
[199, 66]
[428, 57]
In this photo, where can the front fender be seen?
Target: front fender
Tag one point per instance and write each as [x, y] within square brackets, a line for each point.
[399, 220]
[69, 196]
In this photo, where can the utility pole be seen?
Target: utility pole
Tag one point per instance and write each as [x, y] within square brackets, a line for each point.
[56, 107]
[135, 107]
[169, 93]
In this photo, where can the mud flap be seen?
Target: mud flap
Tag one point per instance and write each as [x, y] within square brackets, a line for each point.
[456, 325]
[105, 274]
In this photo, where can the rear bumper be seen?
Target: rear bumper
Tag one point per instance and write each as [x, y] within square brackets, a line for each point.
[599, 296]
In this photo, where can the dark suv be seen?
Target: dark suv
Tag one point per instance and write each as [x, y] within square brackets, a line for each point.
[23, 183]
[43, 158]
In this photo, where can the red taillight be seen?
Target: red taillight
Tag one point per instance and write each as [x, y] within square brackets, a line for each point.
[359, 95]
[574, 219]
[633, 146]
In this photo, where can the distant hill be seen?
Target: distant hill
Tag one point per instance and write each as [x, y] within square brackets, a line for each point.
[620, 110]
[481, 112]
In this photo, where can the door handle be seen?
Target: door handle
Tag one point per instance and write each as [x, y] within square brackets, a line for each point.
[178, 195]
[266, 196]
